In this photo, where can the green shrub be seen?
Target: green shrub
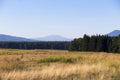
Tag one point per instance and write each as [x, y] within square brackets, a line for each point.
[54, 59]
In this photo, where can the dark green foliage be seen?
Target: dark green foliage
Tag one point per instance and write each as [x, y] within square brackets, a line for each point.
[35, 45]
[93, 43]
[55, 59]
[85, 43]
[74, 45]
[98, 43]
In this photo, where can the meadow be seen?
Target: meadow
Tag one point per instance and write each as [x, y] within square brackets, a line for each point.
[58, 65]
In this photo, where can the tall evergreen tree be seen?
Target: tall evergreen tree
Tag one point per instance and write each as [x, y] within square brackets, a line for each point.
[99, 43]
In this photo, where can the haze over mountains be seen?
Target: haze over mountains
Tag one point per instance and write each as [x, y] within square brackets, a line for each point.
[114, 33]
[53, 38]
[4, 37]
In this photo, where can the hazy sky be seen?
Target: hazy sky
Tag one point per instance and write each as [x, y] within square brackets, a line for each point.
[69, 18]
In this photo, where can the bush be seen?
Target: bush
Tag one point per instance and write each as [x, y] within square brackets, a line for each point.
[54, 59]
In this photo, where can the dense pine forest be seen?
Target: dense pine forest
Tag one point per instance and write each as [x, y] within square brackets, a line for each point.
[96, 43]
[35, 45]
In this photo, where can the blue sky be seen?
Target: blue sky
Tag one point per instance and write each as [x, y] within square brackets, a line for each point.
[69, 18]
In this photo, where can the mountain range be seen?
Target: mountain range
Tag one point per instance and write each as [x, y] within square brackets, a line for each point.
[4, 37]
[114, 33]
[53, 38]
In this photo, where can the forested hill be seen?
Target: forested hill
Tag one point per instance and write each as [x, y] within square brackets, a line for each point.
[96, 43]
[35, 45]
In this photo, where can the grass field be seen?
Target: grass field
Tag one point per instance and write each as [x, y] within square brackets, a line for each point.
[58, 65]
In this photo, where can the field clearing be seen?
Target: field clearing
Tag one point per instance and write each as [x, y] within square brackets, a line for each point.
[58, 65]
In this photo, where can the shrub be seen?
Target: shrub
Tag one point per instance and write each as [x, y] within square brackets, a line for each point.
[54, 59]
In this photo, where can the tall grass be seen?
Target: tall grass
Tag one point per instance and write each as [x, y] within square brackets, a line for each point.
[58, 65]
[67, 72]
[57, 59]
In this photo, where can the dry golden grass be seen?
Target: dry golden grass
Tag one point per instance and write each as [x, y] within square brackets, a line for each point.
[54, 72]
[58, 65]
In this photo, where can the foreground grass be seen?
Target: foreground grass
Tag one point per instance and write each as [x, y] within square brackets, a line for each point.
[58, 65]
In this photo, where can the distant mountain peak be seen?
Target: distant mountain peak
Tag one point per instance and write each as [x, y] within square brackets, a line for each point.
[4, 37]
[114, 33]
[53, 38]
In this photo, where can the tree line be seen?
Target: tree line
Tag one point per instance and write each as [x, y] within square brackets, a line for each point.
[96, 43]
[35, 45]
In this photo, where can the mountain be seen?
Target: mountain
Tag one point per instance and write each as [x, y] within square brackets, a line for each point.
[4, 37]
[13, 38]
[53, 38]
[114, 33]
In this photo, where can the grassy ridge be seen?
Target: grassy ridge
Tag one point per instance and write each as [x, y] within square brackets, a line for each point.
[58, 65]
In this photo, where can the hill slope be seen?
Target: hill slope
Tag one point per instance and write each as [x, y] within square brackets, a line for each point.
[53, 38]
[13, 38]
[114, 33]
